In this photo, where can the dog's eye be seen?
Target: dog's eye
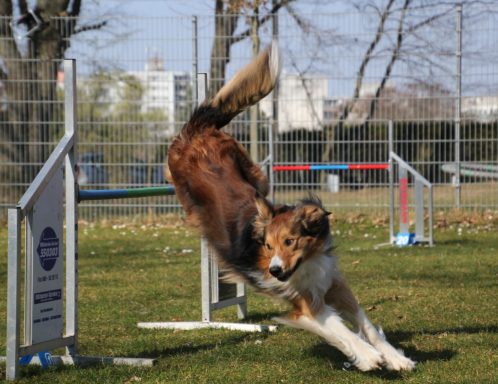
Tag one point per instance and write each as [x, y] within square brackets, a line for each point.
[268, 246]
[288, 242]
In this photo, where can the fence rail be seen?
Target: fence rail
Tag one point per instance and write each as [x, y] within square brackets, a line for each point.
[136, 90]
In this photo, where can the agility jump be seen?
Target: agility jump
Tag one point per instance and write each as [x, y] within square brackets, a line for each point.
[396, 166]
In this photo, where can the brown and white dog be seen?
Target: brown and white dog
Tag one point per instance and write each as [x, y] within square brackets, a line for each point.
[283, 251]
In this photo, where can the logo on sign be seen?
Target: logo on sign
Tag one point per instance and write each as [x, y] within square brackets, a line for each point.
[404, 239]
[48, 248]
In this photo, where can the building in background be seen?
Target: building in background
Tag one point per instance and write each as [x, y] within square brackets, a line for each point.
[301, 103]
[161, 97]
[481, 108]
[164, 91]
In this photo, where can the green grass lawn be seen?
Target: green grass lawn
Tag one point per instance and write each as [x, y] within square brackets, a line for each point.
[439, 304]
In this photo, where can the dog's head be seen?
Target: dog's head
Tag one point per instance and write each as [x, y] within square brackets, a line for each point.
[290, 235]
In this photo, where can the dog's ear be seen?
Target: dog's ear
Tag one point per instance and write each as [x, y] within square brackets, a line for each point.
[263, 218]
[312, 218]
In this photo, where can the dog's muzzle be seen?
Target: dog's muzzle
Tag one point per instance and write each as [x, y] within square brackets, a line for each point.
[280, 274]
[277, 271]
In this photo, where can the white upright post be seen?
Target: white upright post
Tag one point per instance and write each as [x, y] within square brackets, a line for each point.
[13, 292]
[70, 103]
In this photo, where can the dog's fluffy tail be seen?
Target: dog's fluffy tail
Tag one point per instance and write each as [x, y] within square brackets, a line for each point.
[247, 87]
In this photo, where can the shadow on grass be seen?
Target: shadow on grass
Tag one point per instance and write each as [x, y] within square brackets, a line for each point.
[329, 353]
[465, 241]
[191, 349]
[337, 359]
[469, 330]
[339, 362]
[32, 372]
[257, 317]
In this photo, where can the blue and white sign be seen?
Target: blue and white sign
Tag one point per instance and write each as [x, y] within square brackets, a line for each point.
[48, 248]
[46, 265]
[404, 239]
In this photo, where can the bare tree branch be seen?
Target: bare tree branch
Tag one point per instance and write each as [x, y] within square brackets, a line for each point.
[263, 20]
[90, 27]
[302, 23]
[8, 47]
[329, 136]
[392, 61]
[368, 54]
[308, 92]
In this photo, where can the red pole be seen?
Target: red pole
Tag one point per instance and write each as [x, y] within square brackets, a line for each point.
[291, 168]
[403, 201]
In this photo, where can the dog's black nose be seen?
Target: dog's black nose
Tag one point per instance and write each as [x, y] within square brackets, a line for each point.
[276, 271]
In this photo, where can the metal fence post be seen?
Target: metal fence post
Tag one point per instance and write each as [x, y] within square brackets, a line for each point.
[391, 181]
[13, 292]
[458, 104]
[274, 115]
[195, 64]
[419, 208]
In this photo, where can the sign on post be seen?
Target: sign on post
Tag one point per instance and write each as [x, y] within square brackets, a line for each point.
[45, 267]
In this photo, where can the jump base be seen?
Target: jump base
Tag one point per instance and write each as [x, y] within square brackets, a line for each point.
[191, 325]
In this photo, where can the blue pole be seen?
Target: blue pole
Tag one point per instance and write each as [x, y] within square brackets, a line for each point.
[106, 194]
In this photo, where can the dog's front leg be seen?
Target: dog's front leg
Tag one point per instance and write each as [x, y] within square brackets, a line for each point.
[328, 324]
[394, 359]
[342, 299]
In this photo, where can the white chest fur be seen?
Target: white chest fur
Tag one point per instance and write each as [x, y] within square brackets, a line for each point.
[314, 276]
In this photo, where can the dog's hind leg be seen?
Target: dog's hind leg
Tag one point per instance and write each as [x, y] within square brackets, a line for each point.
[251, 171]
[342, 299]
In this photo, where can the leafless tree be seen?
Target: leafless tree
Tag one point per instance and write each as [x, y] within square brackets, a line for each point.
[227, 18]
[409, 42]
[29, 71]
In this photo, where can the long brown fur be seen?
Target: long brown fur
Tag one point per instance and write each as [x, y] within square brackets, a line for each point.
[282, 251]
[214, 177]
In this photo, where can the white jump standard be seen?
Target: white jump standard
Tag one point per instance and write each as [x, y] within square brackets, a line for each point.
[42, 206]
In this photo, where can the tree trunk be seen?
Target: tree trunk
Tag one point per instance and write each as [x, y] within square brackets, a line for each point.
[225, 23]
[27, 125]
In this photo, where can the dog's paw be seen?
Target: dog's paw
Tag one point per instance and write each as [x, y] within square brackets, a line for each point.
[395, 360]
[399, 363]
[367, 358]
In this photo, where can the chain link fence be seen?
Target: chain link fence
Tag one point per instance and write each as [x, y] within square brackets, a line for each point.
[432, 71]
